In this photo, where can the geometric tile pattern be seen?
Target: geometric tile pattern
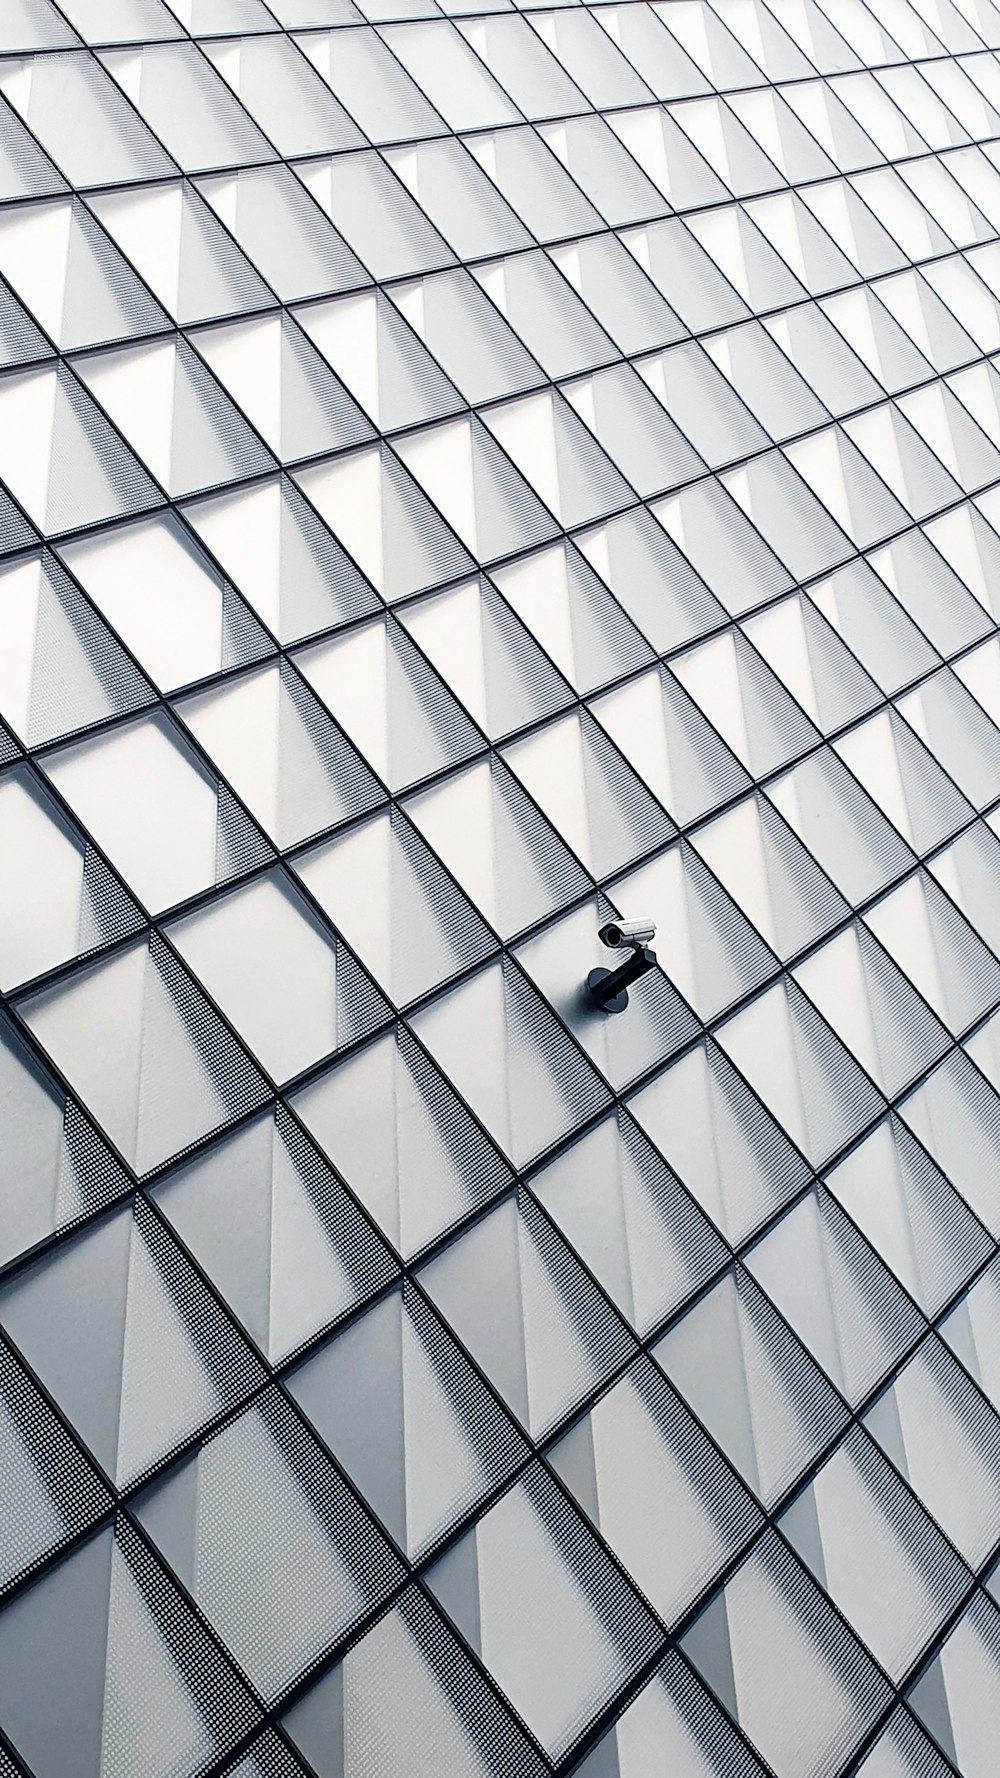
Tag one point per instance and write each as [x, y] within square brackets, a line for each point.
[468, 469]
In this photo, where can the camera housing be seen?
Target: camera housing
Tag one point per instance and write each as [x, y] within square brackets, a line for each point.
[621, 934]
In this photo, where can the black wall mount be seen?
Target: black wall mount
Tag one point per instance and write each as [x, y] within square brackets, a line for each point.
[609, 988]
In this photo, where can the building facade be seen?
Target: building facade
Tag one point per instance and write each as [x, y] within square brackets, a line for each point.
[469, 473]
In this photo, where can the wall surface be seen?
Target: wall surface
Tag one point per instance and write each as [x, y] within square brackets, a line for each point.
[466, 475]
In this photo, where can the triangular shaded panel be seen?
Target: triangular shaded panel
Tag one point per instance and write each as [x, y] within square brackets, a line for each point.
[277, 746]
[54, 1166]
[58, 1494]
[683, 272]
[25, 171]
[490, 505]
[944, 1438]
[707, 408]
[657, 1249]
[541, 307]
[59, 900]
[177, 418]
[274, 83]
[954, 1697]
[176, 89]
[364, 1708]
[69, 274]
[304, 1255]
[542, 1333]
[912, 1216]
[168, 1073]
[83, 120]
[891, 1535]
[776, 251]
[412, 1422]
[173, 829]
[857, 604]
[955, 1114]
[15, 531]
[905, 780]
[404, 1142]
[603, 168]
[952, 725]
[178, 616]
[508, 859]
[370, 83]
[742, 699]
[809, 658]
[414, 929]
[822, 1688]
[469, 337]
[722, 546]
[571, 613]
[274, 1549]
[800, 1070]
[720, 1141]
[931, 583]
[282, 384]
[624, 300]
[487, 656]
[283, 559]
[559, 458]
[673, 1714]
[458, 198]
[175, 242]
[652, 1484]
[522, 1075]
[771, 876]
[121, 1632]
[374, 212]
[752, 1384]
[671, 745]
[61, 669]
[282, 231]
[369, 345]
[395, 708]
[670, 158]
[59, 456]
[873, 1008]
[632, 427]
[589, 793]
[536, 187]
[518, 1583]
[305, 996]
[141, 1306]
[845, 481]
[375, 509]
[840, 824]
[939, 951]
[844, 1304]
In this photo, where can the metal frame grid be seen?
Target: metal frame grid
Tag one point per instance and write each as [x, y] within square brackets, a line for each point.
[467, 472]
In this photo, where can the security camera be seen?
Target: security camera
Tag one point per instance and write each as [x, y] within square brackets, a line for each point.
[619, 933]
[608, 989]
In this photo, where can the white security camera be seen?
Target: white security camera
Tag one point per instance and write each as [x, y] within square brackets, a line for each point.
[617, 934]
